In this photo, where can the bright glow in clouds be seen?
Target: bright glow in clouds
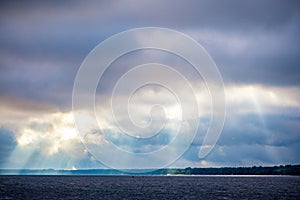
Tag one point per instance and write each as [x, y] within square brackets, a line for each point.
[57, 129]
[247, 97]
[49, 137]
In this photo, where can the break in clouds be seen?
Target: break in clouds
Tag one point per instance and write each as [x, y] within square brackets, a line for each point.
[254, 44]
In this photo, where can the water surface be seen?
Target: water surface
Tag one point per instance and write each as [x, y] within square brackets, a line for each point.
[150, 187]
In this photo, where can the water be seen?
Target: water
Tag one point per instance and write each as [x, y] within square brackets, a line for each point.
[149, 187]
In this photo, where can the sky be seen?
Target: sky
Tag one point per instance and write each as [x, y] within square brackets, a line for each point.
[254, 44]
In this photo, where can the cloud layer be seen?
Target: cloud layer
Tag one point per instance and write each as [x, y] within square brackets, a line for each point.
[254, 44]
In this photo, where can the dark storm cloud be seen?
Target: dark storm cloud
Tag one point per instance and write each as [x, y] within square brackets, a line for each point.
[43, 43]
[241, 155]
[253, 140]
[225, 15]
[246, 155]
[41, 48]
[36, 84]
[273, 130]
[265, 57]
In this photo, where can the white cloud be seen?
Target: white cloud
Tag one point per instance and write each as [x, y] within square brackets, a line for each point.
[263, 99]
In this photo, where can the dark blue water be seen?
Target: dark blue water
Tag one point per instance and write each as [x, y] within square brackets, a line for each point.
[149, 187]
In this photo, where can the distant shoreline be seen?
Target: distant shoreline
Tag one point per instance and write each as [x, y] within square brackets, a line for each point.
[255, 170]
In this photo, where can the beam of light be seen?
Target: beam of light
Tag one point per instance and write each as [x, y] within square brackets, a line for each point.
[257, 105]
[40, 145]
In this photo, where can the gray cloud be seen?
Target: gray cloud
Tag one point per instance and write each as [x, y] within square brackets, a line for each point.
[43, 44]
[7, 144]
[253, 129]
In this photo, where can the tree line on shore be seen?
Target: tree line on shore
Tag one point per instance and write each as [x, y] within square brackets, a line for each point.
[274, 170]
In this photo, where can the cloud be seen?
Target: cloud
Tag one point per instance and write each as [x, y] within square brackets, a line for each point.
[43, 44]
[254, 44]
[268, 130]
[7, 144]
[44, 141]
